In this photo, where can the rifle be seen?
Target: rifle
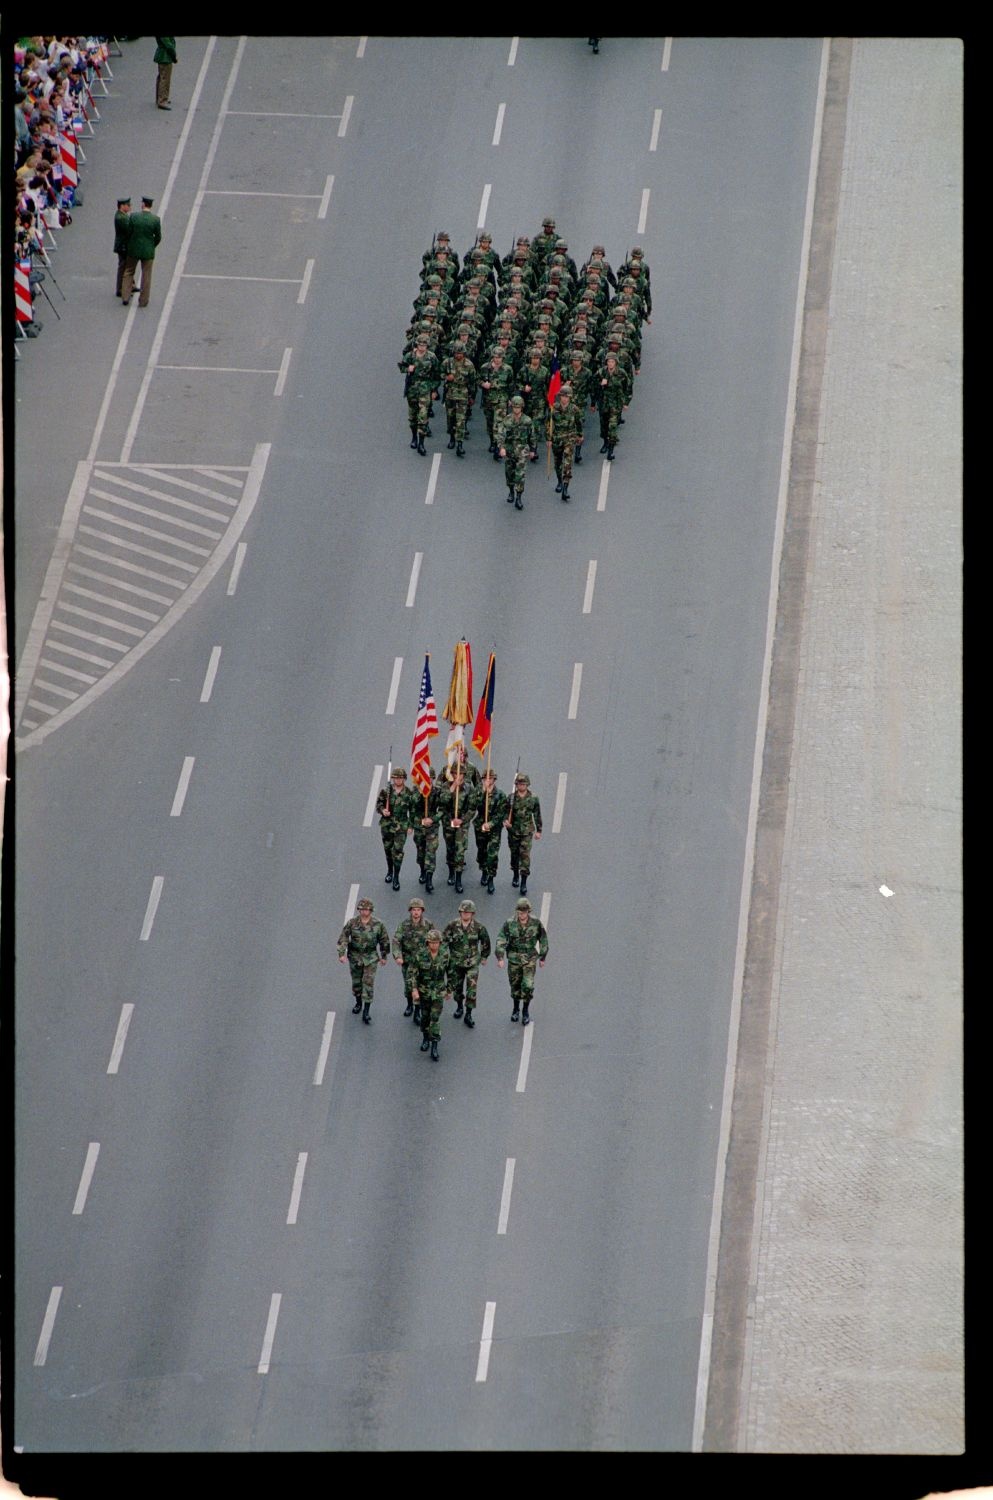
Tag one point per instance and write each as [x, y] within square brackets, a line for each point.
[389, 769]
[510, 804]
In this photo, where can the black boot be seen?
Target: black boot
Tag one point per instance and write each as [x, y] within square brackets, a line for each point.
[410, 1008]
[610, 451]
[517, 879]
[389, 872]
[603, 447]
[519, 503]
[426, 1042]
[451, 442]
[496, 454]
[413, 439]
[420, 446]
[451, 874]
[396, 877]
[558, 488]
[578, 455]
[517, 1012]
[510, 497]
[434, 1050]
[458, 882]
[459, 450]
[468, 1016]
[489, 885]
[368, 1019]
[526, 1019]
[524, 885]
[417, 1015]
[458, 1011]
[565, 491]
[428, 883]
[482, 878]
[357, 1006]
[421, 877]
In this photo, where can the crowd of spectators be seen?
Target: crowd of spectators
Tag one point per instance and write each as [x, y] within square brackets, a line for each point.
[54, 77]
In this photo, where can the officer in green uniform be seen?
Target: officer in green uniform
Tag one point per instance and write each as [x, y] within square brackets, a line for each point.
[359, 942]
[409, 942]
[523, 822]
[397, 809]
[489, 828]
[516, 444]
[567, 429]
[122, 224]
[469, 947]
[144, 233]
[431, 986]
[455, 826]
[523, 943]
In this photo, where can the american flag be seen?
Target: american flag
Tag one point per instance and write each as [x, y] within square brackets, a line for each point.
[426, 726]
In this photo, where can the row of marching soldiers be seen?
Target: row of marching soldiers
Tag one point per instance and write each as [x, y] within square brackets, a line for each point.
[502, 327]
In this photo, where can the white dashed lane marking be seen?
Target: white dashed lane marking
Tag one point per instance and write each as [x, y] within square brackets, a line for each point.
[45, 1338]
[508, 1184]
[270, 1333]
[577, 677]
[590, 581]
[483, 1362]
[181, 787]
[322, 1056]
[499, 124]
[154, 896]
[116, 1051]
[92, 1152]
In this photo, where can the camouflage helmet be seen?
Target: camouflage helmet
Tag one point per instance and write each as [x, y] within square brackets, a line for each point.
[415, 901]
[497, 354]
[522, 904]
[467, 906]
[561, 245]
[433, 279]
[548, 223]
[521, 777]
[517, 400]
[637, 253]
[486, 238]
[442, 234]
[398, 771]
[565, 389]
[434, 936]
[364, 905]
[599, 250]
[459, 350]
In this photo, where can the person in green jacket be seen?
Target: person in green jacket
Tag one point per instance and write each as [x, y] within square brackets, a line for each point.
[165, 56]
[144, 234]
[122, 224]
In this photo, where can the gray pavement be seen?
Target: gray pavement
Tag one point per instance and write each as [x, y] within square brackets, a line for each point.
[599, 1282]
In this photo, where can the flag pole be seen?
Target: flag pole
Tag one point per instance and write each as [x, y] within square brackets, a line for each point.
[486, 808]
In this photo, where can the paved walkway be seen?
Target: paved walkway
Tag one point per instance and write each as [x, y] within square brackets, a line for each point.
[855, 1342]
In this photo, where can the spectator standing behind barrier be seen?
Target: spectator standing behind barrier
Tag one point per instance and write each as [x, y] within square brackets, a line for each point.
[165, 56]
[144, 234]
[122, 227]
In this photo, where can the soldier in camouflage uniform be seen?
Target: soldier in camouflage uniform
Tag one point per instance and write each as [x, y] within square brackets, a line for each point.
[420, 388]
[456, 828]
[523, 943]
[396, 806]
[523, 822]
[430, 987]
[533, 386]
[567, 430]
[516, 442]
[409, 941]
[427, 832]
[543, 245]
[469, 947]
[577, 375]
[497, 385]
[613, 391]
[460, 374]
[359, 941]
[489, 829]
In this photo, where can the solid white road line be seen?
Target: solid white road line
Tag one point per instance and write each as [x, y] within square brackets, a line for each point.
[508, 1184]
[577, 677]
[559, 803]
[308, 271]
[41, 1353]
[513, 51]
[239, 558]
[666, 54]
[433, 479]
[284, 366]
[483, 1363]
[322, 1056]
[208, 681]
[748, 865]
[349, 101]
[414, 575]
[373, 793]
[322, 212]
[499, 124]
[483, 205]
[92, 1152]
[601, 499]
[522, 1072]
[127, 1011]
[391, 701]
[270, 1332]
[353, 896]
[152, 907]
[590, 581]
[297, 1188]
[653, 144]
[184, 781]
[643, 216]
[546, 902]
[361, 47]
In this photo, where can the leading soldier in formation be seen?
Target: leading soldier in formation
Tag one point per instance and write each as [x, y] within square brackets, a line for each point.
[362, 943]
[566, 423]
[431, 986]
[408, 943]
[457, 805]
[396, 806]
[523, 944]
[468, 945]
[517, 447]
[523, 823]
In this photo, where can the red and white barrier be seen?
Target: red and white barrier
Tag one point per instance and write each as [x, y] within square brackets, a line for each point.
[22, 292]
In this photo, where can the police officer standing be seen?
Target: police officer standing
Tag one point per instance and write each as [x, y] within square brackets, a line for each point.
[523, 943]
[359, 941]
[469, 946]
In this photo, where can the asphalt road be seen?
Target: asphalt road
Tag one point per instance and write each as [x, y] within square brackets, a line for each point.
[168, 1272]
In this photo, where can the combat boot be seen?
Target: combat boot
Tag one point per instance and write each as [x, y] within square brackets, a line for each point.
[421, 877]
[428, 883]
[519, 503]
[524, 885]
[451, 442]
[368, 1019]
[517, 1012]
[482, 878]
[458, 882]
[496, 454]
[410, 1008]
[517, 879]
[565, 491]
[610, 451]
[526, 1019]
[434, 1050]
[510, 497]
[558, 488]
[489, 886]
[396, 877]
[357, 1006]
[451, 874]
[417, 1015]
[603, 447]
[578, 455]
[420, 445]
[426, 1042]
[459, 451]
[458, 1011]
[389, 872]
[413, 437]
[468, 1016]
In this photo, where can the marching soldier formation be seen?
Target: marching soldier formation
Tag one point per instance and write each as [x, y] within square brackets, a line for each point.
[494, 328]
